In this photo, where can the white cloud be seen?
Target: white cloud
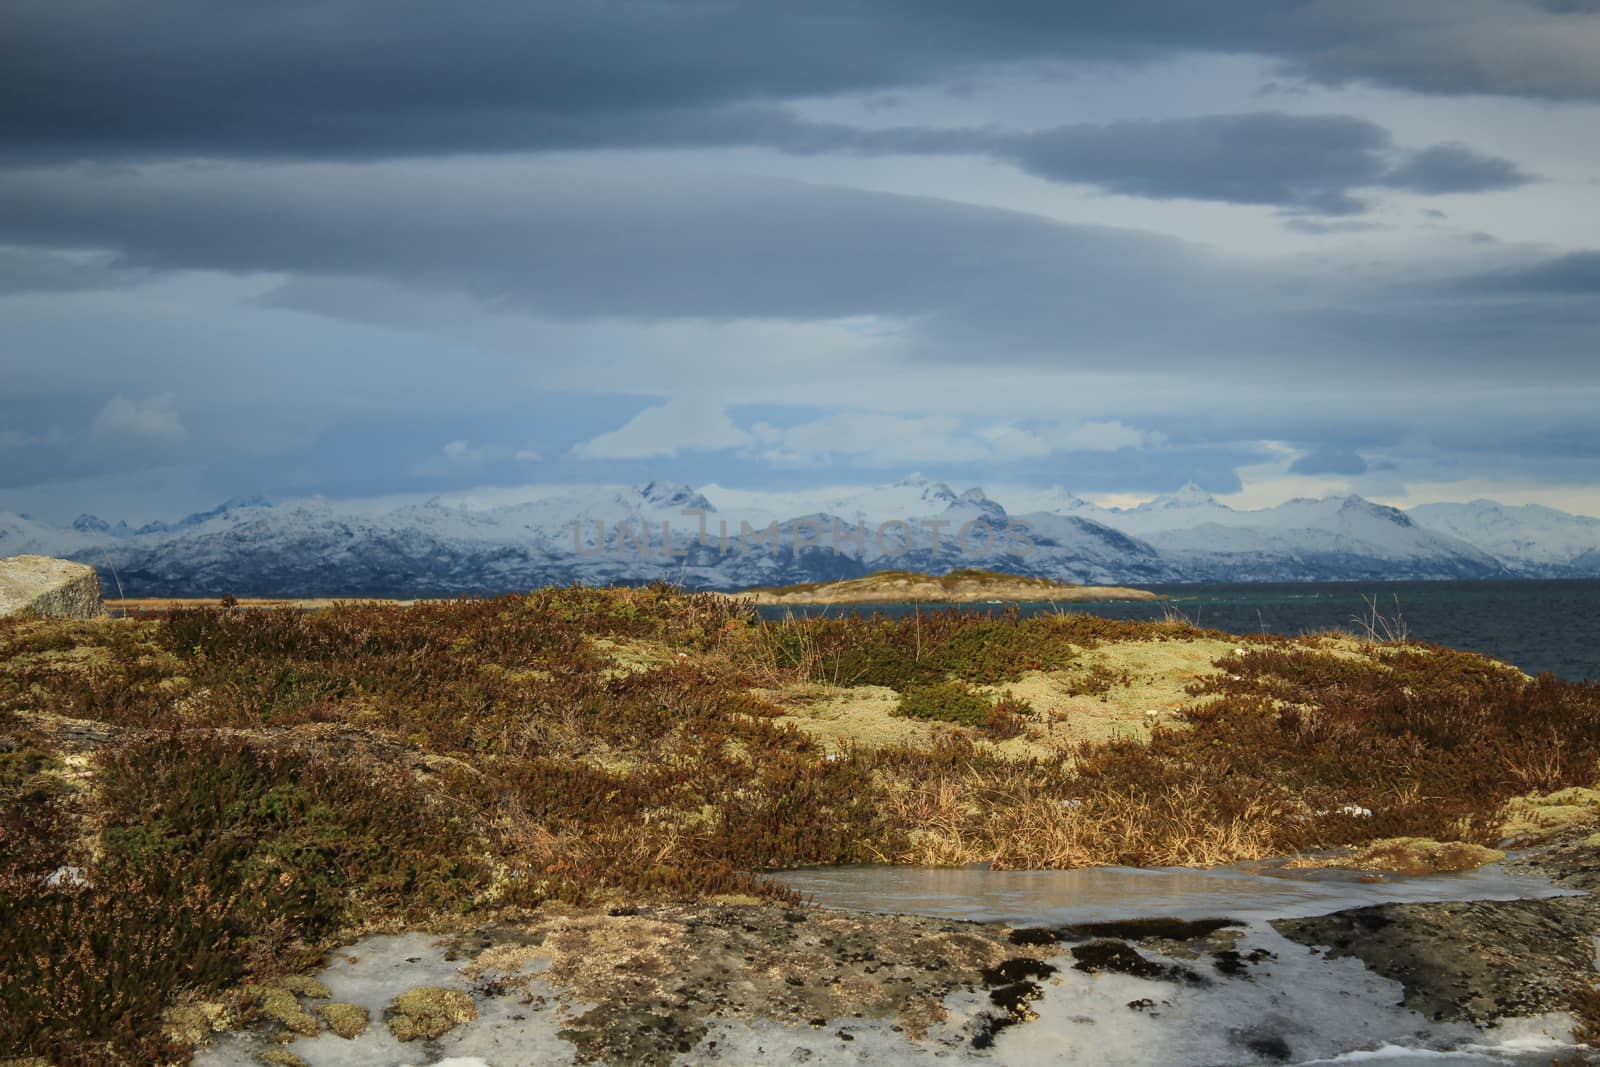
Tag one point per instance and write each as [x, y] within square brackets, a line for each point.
[869, 438]
[153, 419]
[1111, 436]
[461, 452]
[682, 424]
[528, 455]
[1012, 442]
[891, 439]
[883, 439]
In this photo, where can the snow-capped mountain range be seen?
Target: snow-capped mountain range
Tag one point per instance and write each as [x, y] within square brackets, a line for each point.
[502, 540]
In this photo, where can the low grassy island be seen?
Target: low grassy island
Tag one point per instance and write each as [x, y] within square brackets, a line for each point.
[204, 813]
[966, 586]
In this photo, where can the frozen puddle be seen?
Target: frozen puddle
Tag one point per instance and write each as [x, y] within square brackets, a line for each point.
[1103, 894]
[1283, 1003]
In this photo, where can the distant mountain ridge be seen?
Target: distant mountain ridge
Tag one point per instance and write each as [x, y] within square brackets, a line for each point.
[730, 539]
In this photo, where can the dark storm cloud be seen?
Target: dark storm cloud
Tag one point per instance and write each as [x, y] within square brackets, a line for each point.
[578, 244]
[590, 245]
[362, 78]
[1305, 163]
[1574, 274]
[44, 270]
[1455, 168]
[1262, 158]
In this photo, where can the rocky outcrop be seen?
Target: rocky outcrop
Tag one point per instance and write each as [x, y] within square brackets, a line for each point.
[56, 588]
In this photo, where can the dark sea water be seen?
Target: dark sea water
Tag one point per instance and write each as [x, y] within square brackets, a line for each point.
[1537, 625]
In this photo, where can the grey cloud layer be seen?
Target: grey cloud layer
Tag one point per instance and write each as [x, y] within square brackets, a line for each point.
[1303, 163]
[363, 78]
[963, 281]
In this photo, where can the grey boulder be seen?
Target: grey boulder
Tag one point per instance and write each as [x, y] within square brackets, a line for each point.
[53, 588]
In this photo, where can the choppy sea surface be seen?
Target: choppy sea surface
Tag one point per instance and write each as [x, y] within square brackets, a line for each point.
[1538, 625]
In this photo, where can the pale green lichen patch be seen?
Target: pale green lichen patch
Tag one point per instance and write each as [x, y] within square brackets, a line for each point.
[1531, 818]
[427, 1012]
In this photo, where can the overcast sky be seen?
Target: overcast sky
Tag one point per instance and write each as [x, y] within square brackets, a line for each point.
[363, 247]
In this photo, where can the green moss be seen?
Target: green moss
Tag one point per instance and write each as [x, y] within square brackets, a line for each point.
[944, 702]
[18, 767]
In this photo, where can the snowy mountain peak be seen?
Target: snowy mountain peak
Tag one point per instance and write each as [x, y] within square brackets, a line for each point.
[975, 499]
[412, 546]
[227, 507]
[1190, 496]
[1382, 511]
[662, 494]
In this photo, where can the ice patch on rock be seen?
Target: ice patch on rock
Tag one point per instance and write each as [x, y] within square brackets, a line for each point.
[514, 1027]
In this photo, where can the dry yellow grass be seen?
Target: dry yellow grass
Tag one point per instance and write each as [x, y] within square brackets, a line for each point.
[956, 828]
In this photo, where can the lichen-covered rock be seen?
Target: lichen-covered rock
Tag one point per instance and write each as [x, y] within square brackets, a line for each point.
[280, 1005]
[53, 588]
[302, 985]
[347, 1020]
[193, 1024]
[428, 1011]
[1407, 855]
[282, 1058]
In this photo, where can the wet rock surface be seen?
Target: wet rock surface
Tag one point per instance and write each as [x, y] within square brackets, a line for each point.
[1119, 957]
[1144, 929]
[1483, 960]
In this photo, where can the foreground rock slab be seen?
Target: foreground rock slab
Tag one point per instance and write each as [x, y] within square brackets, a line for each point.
[1480, 961]
[48, 587]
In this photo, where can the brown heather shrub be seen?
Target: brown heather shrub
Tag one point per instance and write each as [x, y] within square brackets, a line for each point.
[1010, 716]
[86, 969]
[296, 838]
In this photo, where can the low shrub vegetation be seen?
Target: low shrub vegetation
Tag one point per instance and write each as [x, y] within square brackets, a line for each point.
[212, 797]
